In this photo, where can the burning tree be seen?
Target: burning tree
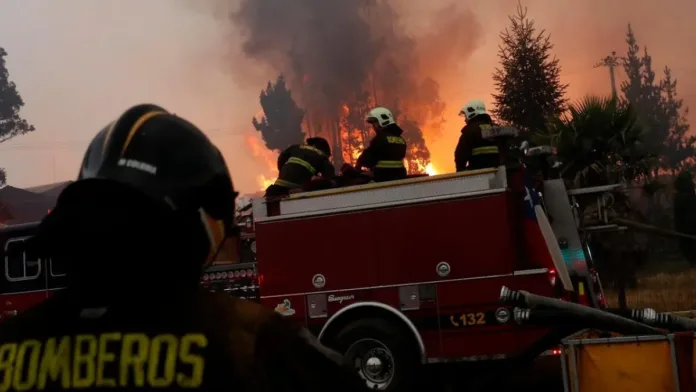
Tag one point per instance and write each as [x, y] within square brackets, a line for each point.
[281, 125]
[345, 57]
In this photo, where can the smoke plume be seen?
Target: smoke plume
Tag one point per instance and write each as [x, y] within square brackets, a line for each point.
[341, 58]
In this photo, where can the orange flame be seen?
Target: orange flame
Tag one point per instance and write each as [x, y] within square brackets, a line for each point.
[265, 157]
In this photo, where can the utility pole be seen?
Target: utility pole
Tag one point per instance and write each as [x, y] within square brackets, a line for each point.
[610, 62]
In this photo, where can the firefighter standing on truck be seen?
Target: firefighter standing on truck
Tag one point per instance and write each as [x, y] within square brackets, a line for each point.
[387, 150]
[473, 151]
[298, 163]
[153, 204]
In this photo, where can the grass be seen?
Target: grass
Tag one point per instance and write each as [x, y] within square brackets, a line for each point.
[663, 291]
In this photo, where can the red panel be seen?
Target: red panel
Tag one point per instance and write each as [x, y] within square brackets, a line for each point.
[387, 246]
[22, 301]
[475, 296]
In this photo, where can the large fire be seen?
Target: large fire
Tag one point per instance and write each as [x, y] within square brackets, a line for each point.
[349, 138]
[266, 158]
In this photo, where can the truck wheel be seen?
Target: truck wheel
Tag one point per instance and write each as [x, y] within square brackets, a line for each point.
[384, 355]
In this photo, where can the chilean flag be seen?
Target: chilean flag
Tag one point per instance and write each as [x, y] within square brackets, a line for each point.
[533, 238]
[540, 241]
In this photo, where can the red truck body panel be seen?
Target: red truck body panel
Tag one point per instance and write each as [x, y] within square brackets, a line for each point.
[371, 254]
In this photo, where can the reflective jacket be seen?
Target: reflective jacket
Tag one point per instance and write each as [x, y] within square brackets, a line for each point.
[385, 154]
[299, 163]
[179, 341]
[473, 149]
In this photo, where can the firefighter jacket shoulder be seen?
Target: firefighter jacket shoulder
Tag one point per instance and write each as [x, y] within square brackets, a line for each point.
[387, 150]
[300, 163]
[474, 150]
[204, 341]
[285, 155]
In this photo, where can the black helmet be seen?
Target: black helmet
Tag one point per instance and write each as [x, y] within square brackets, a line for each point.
[321, 144]
[167, 159]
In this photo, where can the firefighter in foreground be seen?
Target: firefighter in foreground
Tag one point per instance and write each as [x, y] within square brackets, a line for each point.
[387, 150]
[473, 151]
[298, 163]
[152, 205]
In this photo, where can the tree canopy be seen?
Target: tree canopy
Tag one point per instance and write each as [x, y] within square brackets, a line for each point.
[659, 108]
[281, 125]
[599, 141]
[11, 123]
[529, 89]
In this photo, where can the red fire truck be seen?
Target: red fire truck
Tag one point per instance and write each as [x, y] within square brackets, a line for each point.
[393, 275]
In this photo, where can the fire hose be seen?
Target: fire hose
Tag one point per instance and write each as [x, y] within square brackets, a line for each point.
[551, 310]
[651, 317]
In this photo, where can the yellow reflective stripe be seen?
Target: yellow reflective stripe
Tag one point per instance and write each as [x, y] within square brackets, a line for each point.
[395, 140]
[484, 150]
[308, 147]
[286, 184]
[390, 164]
[304, 163]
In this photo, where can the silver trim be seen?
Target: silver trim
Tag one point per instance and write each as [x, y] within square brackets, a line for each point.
[263, 219]
[50, 268]
[595, 189]
[675, 367]
[531, 271]
[620, 339]
[24, 263]
[388, 308]
[564, 371]
[31, 291]
[537, 271]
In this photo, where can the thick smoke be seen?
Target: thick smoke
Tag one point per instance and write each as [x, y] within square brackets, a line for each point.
[342, 57]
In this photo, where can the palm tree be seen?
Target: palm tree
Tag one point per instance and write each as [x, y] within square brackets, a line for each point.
[599, 141]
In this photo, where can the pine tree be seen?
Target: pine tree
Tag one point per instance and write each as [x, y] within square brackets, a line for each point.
[659, 108]
[632, 88]
[11, 124]
[528, 82]
[281, 125]
[680, 146]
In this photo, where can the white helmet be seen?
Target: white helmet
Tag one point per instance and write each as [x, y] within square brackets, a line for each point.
[381, 116]
[472, 109]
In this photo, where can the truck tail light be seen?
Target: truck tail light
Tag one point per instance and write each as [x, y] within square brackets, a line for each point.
[260, 279]
[552, 277]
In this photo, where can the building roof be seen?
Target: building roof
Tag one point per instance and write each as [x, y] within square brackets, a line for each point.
[24, 206]
[51, 190]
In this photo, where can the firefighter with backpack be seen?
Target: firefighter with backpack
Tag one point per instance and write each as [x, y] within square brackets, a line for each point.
[298, 163]
[473, 150]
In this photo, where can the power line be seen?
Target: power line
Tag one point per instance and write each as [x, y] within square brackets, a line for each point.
[611, 62]
[213, 133]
